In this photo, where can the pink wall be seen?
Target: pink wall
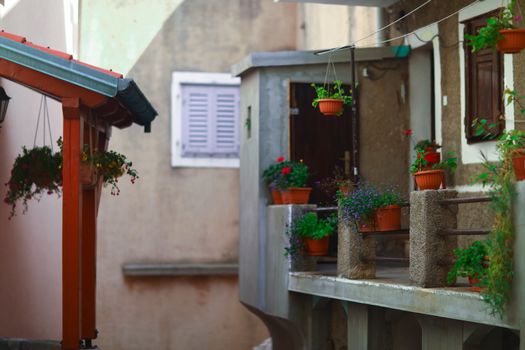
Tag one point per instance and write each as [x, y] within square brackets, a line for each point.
[30, 244]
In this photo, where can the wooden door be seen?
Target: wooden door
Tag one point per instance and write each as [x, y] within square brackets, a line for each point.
[320, 142]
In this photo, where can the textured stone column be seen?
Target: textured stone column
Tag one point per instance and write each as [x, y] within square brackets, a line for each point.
[431, 255]
[352, 252]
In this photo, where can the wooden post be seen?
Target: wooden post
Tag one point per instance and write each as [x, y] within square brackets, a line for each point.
[71, 224]
[89, 265]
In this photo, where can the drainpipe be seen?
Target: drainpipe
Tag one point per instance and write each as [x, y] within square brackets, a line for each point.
[380, 23]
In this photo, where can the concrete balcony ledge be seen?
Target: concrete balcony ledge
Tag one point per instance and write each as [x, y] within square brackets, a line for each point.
[179, 269]
[26, 344]
[391, 291]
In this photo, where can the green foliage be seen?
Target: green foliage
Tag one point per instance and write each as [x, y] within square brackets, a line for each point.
[292, 174]
[489, 35]
[272, 173]
[35, 172]
[362, 202]
[424, 144]
[499, 177]
[470, 262]
[337, 92]
[420, 163]
[309, 226]
[110, 166]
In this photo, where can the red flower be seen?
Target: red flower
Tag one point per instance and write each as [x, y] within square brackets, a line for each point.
[286, 170]
[280, 159]
[408, 132]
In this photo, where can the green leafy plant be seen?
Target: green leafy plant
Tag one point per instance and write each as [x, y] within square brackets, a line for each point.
[292, 174]
[35, 172]
[489, 35]
[110, 166]
[309, 226]
[335, 92]
[470, 262]
[499, 177]
[424, 145]
[420, 163]
[273, 172]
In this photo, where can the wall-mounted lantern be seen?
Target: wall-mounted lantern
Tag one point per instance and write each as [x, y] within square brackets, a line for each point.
[4, 101]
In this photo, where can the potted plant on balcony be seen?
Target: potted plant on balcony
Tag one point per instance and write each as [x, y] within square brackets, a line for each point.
[388, 212]
[292, 183]
[360, 206]
[331, 99]
[433, 178]
[500, 32]
[35, 172]
[471, 262]
[429, 151]
[271, 175]
[314, 232]
[512, 145]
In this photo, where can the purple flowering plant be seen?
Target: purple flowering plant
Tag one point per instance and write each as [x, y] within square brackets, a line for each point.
[363, 201]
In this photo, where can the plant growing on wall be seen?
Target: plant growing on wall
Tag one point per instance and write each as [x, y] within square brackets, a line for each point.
[500, 32]
[331, 98]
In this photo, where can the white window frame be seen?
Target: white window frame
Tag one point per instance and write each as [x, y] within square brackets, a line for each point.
[471, 154]
[179, 78]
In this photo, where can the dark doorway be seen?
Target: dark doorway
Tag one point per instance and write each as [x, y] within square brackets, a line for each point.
[323, 143]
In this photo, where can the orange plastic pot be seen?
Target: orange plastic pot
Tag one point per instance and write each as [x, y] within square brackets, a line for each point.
[276, 196]
[316, 247]
[296, 195]
[388, 218]
[472, 281]
[513, 40]
[331, 106]
[429, 179]
[518, 163]
[367, 225]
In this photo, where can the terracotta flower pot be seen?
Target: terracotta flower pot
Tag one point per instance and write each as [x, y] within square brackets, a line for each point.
[367, 225]
[276, 196]
[518, 163]
[331, 106]
[316, 247]
[88, 174]
[296, 195]
[429, 179]
[513, 40]
[388, 218]
[472, 281]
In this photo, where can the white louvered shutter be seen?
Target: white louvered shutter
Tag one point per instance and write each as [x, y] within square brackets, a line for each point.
[210, 122]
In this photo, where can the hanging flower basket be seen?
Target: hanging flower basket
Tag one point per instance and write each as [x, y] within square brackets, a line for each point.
[88, 174]
[513, 41]
[331, 106]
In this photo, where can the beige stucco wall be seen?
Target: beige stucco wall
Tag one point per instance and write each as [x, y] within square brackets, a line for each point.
[30, 245]
[323, 26]
[176, 214]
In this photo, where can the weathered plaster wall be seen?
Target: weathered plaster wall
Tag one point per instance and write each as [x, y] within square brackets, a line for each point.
[30, 245]
[180, 214]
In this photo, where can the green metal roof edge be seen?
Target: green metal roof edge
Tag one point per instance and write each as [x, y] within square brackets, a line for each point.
[125, 91]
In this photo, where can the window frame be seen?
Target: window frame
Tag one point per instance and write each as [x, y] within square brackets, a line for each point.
[471, 61]
[195, 78]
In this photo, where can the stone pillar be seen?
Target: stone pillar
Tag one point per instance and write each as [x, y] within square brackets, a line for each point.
[431, 255]
[357, 326]
[440, 333]
[352, 252]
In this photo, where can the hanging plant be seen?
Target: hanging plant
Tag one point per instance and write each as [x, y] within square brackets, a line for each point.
[35, 172]
[500, 32]
[110, 166]
[331, 98]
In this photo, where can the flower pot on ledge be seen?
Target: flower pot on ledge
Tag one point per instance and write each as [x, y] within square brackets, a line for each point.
[388, 218]
[276, 196]
[316, 247]
[518, 163]
[296, 195]
[513, 41]
[331, 106]
[429, 179]
[367, 225]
